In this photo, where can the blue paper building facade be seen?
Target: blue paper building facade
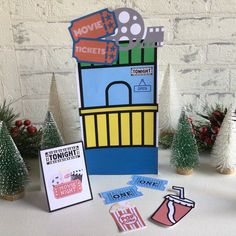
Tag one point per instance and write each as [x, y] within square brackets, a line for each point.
[119, 113]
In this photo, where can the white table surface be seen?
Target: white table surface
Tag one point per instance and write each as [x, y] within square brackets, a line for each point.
[214, 214]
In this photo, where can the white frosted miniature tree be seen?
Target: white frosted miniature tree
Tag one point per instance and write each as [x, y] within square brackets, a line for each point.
[223, 149]
[169, 108]
[54, 104]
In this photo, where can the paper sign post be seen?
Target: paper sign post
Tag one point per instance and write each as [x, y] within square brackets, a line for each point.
[65, 176]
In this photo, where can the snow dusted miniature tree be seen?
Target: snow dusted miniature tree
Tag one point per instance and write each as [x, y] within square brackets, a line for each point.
[184, 150]
[223, 149]
[169, 108]
[13, 172]
[51, 136]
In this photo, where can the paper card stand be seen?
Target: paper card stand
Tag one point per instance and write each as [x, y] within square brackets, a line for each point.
[65, 176]
[118, 109]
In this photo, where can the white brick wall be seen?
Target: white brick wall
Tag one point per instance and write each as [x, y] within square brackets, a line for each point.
[200, 45]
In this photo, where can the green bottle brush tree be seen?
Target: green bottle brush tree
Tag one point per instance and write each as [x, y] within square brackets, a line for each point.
[51, 136]
[184, 150]
[25, 135]
[13, 172]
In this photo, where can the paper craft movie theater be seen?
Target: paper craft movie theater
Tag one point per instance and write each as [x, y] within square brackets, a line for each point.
[118, 109]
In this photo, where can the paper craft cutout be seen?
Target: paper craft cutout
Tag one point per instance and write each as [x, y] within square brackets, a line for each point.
[96, 25]
[130, 27]
[96, 51]
[64, 181]
[173, 208]
[147, 182]
[142, 87]
[122, 24]
[65, 176]
[120, 194]
[119, 131]
[126, 216]
[154, 36]
[67, 189]
[87, 32]
[117, 88]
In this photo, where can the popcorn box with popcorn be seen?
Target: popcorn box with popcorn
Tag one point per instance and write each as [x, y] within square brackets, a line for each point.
[127, 217]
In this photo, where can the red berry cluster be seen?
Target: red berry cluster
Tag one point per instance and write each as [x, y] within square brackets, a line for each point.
[208, 133]
[20, 126]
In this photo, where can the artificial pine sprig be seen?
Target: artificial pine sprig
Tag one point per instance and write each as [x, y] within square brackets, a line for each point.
[7, 114]
[207, 128]
[27, 138]
[165, 140]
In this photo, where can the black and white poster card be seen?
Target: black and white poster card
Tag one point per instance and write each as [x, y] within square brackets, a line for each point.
[65, 176]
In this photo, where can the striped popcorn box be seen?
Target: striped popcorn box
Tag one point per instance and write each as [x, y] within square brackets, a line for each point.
[126, 217]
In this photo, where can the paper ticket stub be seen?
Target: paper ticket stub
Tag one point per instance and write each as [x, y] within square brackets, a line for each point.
[67, 189]
[126, 217]
[120, 194]
[95, 51]
[147, 182]
[96, 25]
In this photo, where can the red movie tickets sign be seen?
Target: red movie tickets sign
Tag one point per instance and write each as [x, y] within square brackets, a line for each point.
[97, 51]
[96, 25]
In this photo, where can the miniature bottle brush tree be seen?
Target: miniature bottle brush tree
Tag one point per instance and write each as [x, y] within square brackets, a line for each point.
[184, 150]
[223, 151]
[13, 172]
[51, 136]
[169, 109]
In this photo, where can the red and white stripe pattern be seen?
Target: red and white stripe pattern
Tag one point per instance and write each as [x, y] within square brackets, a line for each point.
[128, 219]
